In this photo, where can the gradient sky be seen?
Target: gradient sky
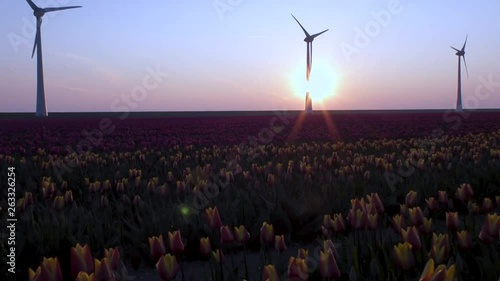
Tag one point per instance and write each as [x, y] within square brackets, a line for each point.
[250, 56]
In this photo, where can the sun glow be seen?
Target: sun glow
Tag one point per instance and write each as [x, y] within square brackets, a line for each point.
[322, 85]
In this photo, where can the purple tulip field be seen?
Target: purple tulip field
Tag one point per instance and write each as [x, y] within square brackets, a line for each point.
[283, 196]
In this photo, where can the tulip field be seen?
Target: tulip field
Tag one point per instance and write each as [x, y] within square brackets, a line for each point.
[278, 196]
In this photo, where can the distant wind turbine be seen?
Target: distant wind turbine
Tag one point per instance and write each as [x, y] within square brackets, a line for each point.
[309, 39]
[41, 106]
[460, 53]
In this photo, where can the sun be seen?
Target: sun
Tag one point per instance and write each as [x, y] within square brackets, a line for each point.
[322, 85]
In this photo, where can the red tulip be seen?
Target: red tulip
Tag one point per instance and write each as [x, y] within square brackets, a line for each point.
[411, 199]
[443, 197]
[175, 242]
[213, 218]
[81, 260]
[157, 247]
[280, 245]
[226, 235]
[432, 204]
[452, 221]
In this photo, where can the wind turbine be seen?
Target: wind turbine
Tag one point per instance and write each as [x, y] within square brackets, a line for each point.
[460, 53]
[309, 39]
[41, 106]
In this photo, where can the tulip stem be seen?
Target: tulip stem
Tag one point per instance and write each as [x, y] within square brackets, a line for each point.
[212, 272]
[182, 268]
[245, 259]
[220, 263]
[232, 256]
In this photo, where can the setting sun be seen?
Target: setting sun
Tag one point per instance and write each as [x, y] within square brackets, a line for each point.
[322, 85]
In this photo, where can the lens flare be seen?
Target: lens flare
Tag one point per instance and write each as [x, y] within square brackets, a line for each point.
[321, 86]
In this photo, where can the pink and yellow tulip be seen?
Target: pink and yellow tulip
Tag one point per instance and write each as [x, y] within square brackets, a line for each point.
[213, 218]
[328, 267]
[156, 246]
[297, 269]
[167, 267]
[270, 273]
[404, 255]
[241, 234]
[49, 270]
[175, 242]
[266, 233]
[81, 260]
[440, 273]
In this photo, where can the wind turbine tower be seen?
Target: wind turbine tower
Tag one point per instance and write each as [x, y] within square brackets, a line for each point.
[41, 105]
[460, 53]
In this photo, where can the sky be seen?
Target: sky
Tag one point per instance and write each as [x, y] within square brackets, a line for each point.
[232, 55]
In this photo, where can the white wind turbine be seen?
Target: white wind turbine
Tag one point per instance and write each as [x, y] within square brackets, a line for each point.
[41, 106]
[460, 53]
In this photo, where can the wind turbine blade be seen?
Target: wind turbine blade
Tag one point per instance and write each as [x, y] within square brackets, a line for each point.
[32, 5]
[466, 70]
[318, 34]
[305, 31]
[37, 36]
[463, 48]
[455, 49]
[60, 8]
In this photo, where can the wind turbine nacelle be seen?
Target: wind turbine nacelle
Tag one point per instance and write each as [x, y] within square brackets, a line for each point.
[39, 13]
[308, 39]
